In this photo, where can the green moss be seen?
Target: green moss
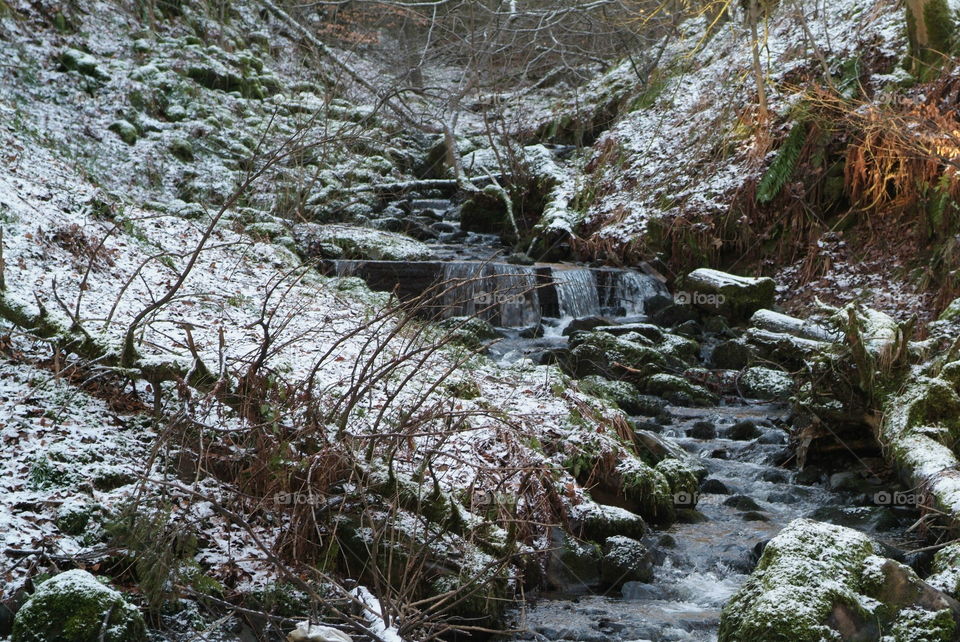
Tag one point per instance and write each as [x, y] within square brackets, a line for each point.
[71, 607]
[918, 625]
[182, 150]
[804, 573]
[601, 353]
[125, 130]
[677, 389]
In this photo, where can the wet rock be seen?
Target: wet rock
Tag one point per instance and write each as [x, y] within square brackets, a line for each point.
[688, 329]
[773, 438]
[691, 516]
[702, 430]
[808, 476]
[621, 393]
[586, 324]
[743, 431]
[714, 487]
[731, 355]
[765, 383]
[674, 314]
[572, 563]
[625, 560]
[741, 502]
[774, 475]
[72, 607]
[844, 481]
[641, 591]
[533, 332]
[781, 497]
[599, 353]
[754, 516]
[649, 406]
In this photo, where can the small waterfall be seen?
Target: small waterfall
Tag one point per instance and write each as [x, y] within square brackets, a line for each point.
[576, 292]
[624, 293]
[516, 295]
[632, 290]
[505, 295]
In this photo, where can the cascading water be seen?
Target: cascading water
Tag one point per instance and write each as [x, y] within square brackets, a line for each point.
[505, 295]
[576, 292]
[630, 292]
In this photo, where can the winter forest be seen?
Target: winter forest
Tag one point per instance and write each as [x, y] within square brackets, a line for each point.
[415, 320]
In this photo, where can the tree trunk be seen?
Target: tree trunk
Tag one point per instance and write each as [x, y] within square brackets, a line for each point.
[753, 17]
[931, 32]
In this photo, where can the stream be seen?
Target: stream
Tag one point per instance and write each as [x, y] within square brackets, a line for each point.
[752, 488]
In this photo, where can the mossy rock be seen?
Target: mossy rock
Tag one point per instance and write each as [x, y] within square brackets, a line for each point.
[736, 297]
[472, 333]
[73, 607]
[951, 313]
[125, 130]
[82, 62]
[597, 522]
[359, 243]
[677, 390]
[601, 353]
[486, 212]
[620, 393]
[818, 581]
[767, 384]
[625, 560]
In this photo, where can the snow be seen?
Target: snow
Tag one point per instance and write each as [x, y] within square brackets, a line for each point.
[373, 612]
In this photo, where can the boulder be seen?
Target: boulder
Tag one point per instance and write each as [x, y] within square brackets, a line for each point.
[765, 383]
[75, 607]
[677, 390]
[731, 355]
[817, 581]
[358, 243]
[599, 353]
[625, 560]
[733, 296]
[572, 564]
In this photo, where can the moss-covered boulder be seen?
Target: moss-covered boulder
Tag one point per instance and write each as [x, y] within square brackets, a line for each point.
[125, 130]
[358, 243]
[603, 354]
[623, 394]
[75, 607]
[82, 62]
[472, 333]
[486, 212]
[766, 383]
[625, 560]
[737, 297]
[817, 582]
[677, 390]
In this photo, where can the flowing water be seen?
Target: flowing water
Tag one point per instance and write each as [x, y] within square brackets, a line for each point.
[748, 494]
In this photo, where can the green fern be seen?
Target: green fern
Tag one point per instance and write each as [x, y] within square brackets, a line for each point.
[781, 169]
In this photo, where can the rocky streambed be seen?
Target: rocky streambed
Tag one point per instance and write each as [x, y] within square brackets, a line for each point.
[769, 415]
